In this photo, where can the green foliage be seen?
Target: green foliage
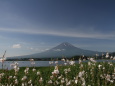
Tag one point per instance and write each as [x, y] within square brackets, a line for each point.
[93, 74]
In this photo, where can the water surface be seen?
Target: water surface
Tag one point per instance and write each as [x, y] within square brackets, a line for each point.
[7, 64]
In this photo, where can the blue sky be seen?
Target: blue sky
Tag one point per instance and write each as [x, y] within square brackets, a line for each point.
[33, 26]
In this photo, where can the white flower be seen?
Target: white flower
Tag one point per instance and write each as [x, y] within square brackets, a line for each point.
[33, 69]
[51, 77]
[108, 77]
[80, 61]
[41, 80]
[24, 78]
[16, 81]
[23, 84]
[38, 73]
[14, 77]
[60, 77]
[63, 60]
[30, 81]
[107, 55]
[65, 63]
[31, 59]
[97, 55]
[92, 60]
[57, 82]
[56, 62]
[76, 81]
[50, 82]
[10, 77]
[99, 66]
[26, 70]
[50, 62]
[62, 81]
[83, 84]
[72, 62]
[68, 83]
[55, 72]
[89, 63]
[68, 69]
[81, 74]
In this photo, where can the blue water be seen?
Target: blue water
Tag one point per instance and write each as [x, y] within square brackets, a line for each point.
[6, 64]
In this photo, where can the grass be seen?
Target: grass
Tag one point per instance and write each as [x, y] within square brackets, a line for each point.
[82, 74]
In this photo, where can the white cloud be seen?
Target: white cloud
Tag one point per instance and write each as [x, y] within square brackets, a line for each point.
[59, 49]
[16, 46]
[67, 33]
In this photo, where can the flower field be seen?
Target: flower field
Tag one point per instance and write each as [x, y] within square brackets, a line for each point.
[91, 73]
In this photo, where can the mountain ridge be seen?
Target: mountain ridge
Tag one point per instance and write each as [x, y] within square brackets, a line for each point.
[63, 49]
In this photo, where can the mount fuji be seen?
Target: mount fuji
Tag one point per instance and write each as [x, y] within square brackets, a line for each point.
[64, 49]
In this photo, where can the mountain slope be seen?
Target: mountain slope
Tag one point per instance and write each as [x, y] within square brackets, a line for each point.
[64, 49]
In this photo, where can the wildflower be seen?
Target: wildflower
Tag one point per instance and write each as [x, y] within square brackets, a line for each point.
[26, 70]
[33, 69]
[99, 66]
[41, 80]
[92, 60]
[83, 84]
[68, 83]
[80, 61]
[111, 57]
[76, 81]
[24, 78]
[50, 82]
[65, 63]
[60, 77]
[62, 81]
[23, 84]
[111, 81]
[16, 67]
[16, 81]
[81, 66]
[10, 77]
[89, 63]
[68, 69]
[81, 73]
[107, 55]
[97, 55]
[50, 62]
[51, 77]
[103, 68]
[72, 62]
[56, 62]
[66, 80]
[108, 77]
[2, 60]
[14, 77]
[32, 63]
[63, 60]
[57, 82]
[56, 71]
[38, 73]
[30, 81]
[31, 59]
[65, 70]
[31, 85]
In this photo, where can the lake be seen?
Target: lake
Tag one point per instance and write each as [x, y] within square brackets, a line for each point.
[39, 63]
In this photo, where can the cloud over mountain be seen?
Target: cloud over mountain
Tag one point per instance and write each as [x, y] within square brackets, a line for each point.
[16, 46]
